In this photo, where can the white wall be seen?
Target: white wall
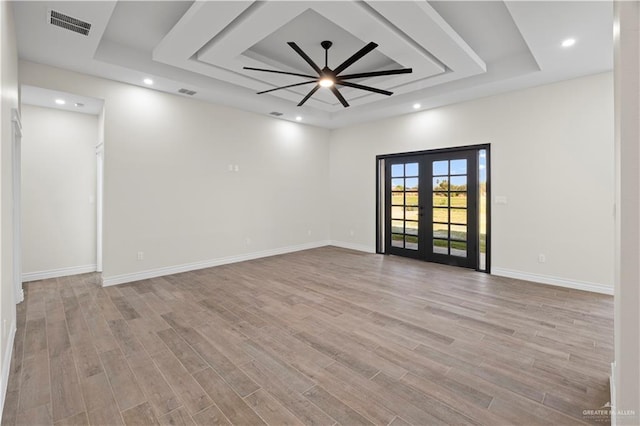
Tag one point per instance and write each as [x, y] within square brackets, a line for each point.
[58, 192]
[551, 155]
[9, 90]
[168, 192]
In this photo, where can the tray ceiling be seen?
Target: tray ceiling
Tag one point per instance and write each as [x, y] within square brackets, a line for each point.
[458, 50]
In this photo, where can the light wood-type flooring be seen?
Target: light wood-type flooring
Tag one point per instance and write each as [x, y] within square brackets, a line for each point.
[325, 336]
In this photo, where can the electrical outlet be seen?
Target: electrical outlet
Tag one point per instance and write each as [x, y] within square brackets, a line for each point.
[248, 241]
[309, 232]
[542, 258]
[351, 232]
[140, 255]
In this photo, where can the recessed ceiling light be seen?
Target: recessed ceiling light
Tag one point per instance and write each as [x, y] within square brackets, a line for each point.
[569, 42]
[60, 101]
[298, 118]
[416, 106]
[147, 81]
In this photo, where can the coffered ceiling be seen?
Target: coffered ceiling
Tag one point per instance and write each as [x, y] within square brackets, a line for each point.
[458, 50]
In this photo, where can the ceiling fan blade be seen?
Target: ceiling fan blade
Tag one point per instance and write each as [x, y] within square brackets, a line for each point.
[356, 56]
[315, 88]
[280, 72]
[376, 73]
[305, 57]
[341, 98]
[361, 87]
[286, 87]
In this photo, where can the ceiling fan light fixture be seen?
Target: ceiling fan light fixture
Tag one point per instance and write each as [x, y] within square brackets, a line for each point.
[326, 82]
[330, 78]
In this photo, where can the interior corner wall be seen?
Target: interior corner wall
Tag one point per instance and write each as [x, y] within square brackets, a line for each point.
[58, 192]
[551, 156]
[189, 184]
[10, 101]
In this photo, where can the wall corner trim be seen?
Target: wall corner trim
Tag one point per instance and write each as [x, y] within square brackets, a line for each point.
[556, 281]
[169, 270]
[6, 365]
[57, 273]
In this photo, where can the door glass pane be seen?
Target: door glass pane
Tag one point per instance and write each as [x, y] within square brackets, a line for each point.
[411, 198]
[441, 246]
[458, 248]
[397, 184]
[397, 240]
[397, 212]
[411, 169]
[440, 230]
[411, 228]
[459, 216]
[458, 167]
[458, 199]
[397, 198]
[397, 226]
[411, 184]
[458, 183]
[397, 170]
[440, 215]
[411, 213]
[440, 168]
[482, 166]
[440, 184]
[411, 242]
[440, 199]
[459, 232]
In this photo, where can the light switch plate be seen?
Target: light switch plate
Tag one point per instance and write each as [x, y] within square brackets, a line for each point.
[500, 199]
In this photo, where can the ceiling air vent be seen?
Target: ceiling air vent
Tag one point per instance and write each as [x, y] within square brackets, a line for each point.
[275, 113]
[187, 92]
[68, 23]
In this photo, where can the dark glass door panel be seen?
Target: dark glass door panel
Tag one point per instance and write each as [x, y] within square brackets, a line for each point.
[452, 223]
[404, 206]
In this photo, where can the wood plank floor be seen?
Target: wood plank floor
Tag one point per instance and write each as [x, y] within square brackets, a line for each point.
[325, 336]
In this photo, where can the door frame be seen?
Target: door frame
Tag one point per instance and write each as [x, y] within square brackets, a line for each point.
[99, 203]
[380, 193]
[16, 194]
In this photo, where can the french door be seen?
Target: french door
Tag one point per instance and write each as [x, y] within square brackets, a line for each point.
[432, 207]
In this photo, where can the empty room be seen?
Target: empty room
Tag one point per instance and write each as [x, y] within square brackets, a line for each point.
[320, 212]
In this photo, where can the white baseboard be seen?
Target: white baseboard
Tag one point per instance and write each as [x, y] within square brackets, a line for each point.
[352, 246]
[169, 270]
[56, 273]
[6, 365]
[560, 282]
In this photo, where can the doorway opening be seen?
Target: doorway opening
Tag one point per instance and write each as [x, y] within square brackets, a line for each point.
[61, 166]
[432, 205]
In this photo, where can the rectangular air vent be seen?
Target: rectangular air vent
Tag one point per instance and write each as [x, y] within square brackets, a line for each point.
[68, 23]
[275, 113]
[187, 92]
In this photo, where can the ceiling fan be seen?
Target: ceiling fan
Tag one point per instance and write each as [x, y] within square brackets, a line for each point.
[330, 78]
